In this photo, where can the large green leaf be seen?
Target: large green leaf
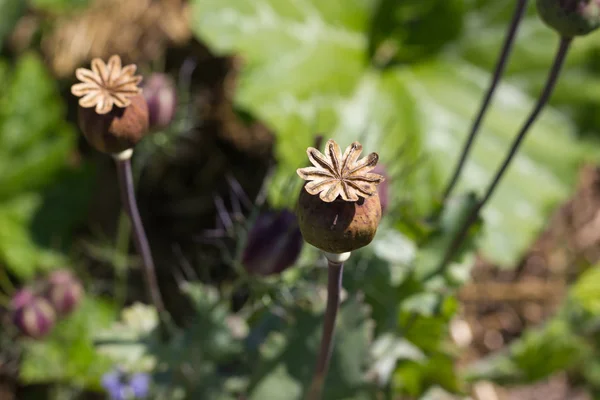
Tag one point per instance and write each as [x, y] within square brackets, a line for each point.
[35, 138]
[307, 72]
[40, 200]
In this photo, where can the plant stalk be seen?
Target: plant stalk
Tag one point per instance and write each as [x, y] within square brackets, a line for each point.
[498, 72]
[123, 162]
[559, 59]
[334, 288]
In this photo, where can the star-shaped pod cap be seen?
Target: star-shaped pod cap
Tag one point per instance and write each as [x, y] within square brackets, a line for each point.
[113, 114]
[334, 174]
[339, 208]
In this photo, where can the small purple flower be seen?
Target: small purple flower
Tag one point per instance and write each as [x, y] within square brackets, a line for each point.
[32, 314]
[274, 243]
[122, 386]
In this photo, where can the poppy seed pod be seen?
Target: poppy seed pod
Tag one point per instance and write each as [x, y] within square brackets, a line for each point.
[570, 17]
[31, 314]
[161, 96]
[64, 291]
[339, 208]
[113, 113]
[274, 243]
[119, 130]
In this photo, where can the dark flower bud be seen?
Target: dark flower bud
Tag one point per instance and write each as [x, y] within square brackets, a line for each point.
[161, 96]
[64, 291]
[383, 188]
[274, 243]
[31, 314]
[570, 17]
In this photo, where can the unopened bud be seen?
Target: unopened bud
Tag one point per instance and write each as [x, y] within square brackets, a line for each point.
[64, 291]
[31, 314]
[161, 96]
[383, 188]
[274, 243]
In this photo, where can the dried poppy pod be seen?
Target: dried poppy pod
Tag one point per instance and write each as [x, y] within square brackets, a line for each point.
[570, 17]
[339, 208]
[113, 113]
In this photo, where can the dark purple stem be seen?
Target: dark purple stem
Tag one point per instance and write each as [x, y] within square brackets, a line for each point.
[334, 287]
[498, 72]
[139, 235]
[559, 59]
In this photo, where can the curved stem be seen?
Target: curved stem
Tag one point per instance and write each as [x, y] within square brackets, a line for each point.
[334, 287]
[559, 59]
[123, 162]
[498, 72]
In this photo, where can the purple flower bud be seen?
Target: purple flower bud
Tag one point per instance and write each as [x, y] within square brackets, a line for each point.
[383, 188]
[274, 243]
[33, 315]
[161, 96]
[64, 291]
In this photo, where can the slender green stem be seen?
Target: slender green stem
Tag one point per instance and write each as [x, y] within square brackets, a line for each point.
[123, 162]
[498, 72]
[559, 59]
[334, 288]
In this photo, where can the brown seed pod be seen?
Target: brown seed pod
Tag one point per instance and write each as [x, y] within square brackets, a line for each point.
[339, 208]
[339, 226]
[118, 130]
[113, 114]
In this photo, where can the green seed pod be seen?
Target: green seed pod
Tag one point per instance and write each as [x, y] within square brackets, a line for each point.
[570, 17]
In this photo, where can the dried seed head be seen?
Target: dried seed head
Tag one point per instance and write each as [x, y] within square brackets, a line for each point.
[570, 17]
[344, 175]
[33, 315]
[339, 208]
[113, 113]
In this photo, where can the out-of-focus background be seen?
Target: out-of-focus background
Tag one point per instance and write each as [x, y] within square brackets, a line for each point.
[244, 87]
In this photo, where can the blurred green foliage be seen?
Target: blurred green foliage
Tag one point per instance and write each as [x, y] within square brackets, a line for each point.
[41, 197]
